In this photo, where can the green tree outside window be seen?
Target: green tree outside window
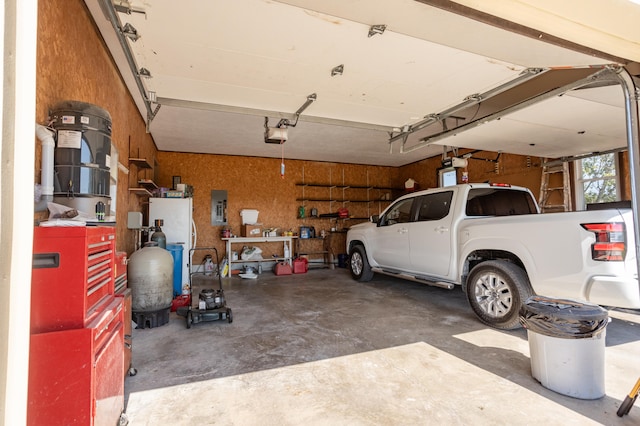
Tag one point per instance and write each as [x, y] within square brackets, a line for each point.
[598, 180]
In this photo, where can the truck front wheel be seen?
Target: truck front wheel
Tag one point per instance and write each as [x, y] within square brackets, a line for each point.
[496, 290]
[359, 265]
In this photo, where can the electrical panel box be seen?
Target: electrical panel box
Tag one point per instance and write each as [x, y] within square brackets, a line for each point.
[218, 207]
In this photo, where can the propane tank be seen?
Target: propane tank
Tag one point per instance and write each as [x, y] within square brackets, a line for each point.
[159, 236]
[150, 277]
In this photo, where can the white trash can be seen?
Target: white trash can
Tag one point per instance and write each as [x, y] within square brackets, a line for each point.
[566, 345]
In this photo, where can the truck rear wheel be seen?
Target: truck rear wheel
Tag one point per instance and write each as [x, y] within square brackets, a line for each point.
[359, 265]
[496, 290]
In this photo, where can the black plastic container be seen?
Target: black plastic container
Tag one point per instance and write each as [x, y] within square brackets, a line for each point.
[563, 318]
[82, 157]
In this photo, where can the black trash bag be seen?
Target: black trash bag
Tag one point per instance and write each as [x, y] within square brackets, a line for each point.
[563, 318]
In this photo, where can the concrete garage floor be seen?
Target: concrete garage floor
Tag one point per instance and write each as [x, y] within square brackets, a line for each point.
[322, 349]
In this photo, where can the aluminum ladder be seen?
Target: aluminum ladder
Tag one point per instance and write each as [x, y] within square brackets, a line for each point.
[555, 188]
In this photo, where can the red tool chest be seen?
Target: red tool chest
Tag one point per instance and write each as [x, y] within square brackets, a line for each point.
[76, 357]
[73, 275]
[122, 290]
[75, 375]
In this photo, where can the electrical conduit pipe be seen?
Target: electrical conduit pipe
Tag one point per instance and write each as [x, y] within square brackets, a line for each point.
[46, 173]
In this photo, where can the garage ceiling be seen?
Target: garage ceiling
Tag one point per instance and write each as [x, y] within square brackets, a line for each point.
[219, 67]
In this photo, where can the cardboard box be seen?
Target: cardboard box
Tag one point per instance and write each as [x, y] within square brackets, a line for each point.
[251, 230]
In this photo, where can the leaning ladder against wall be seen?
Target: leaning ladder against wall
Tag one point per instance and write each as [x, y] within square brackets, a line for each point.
[555, 190]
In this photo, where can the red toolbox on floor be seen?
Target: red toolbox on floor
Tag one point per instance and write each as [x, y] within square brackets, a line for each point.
[300, 265]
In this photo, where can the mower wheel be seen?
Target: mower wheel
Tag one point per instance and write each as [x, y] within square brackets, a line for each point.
[189, 317]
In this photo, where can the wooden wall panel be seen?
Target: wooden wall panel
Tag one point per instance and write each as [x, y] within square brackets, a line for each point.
[74, 64]
[483, 167]
[625, 176]
[255, 183]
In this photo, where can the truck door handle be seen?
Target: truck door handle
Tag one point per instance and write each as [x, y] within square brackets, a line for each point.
[441, 229]
[402, 230]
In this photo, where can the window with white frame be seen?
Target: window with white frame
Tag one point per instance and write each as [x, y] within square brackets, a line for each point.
[597, 180]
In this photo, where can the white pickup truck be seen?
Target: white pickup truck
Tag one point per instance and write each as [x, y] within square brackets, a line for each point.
[492, 240]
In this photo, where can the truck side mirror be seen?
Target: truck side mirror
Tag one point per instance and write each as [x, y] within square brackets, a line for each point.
[374, 218]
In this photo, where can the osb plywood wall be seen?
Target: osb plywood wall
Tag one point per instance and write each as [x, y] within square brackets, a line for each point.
[255, 183]
[483, 166]
[73, 64]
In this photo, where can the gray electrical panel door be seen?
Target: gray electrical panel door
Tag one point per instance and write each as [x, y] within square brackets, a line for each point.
[218, 207]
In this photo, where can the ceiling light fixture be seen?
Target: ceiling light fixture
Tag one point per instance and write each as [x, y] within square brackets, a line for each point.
[338, 70]
[130, 32]
[376, 29]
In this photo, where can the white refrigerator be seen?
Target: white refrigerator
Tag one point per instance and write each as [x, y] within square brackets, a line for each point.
[177, 214]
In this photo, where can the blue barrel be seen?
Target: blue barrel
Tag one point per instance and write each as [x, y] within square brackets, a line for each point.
[176, 252]
[343, 259]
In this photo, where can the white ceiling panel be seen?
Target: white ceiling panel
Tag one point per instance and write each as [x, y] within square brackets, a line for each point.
[609, 26]
[274, 63]
[219, 67]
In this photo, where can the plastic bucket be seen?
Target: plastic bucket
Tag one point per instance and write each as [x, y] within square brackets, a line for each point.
[176, 252]
[249, 216]
[566, 345]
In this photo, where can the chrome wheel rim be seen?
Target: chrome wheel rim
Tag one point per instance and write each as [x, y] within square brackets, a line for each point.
[493, 295]
[356, 263]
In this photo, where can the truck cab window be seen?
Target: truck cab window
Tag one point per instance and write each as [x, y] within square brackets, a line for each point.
[434, 206]
[499, 202]
[399, 213]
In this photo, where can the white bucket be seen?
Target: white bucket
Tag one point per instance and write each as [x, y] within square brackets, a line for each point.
[249, 217]
[572, 367]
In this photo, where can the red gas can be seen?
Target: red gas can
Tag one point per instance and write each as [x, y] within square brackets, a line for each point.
[282, 268]
[300, 265]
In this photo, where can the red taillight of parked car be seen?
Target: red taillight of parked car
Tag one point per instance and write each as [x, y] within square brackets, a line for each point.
[610, 243]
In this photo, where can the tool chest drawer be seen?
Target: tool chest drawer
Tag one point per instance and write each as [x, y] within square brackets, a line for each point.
[75, 375]
[73, 272]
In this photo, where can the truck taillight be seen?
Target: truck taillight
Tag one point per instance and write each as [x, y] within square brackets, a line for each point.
[610, 243]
